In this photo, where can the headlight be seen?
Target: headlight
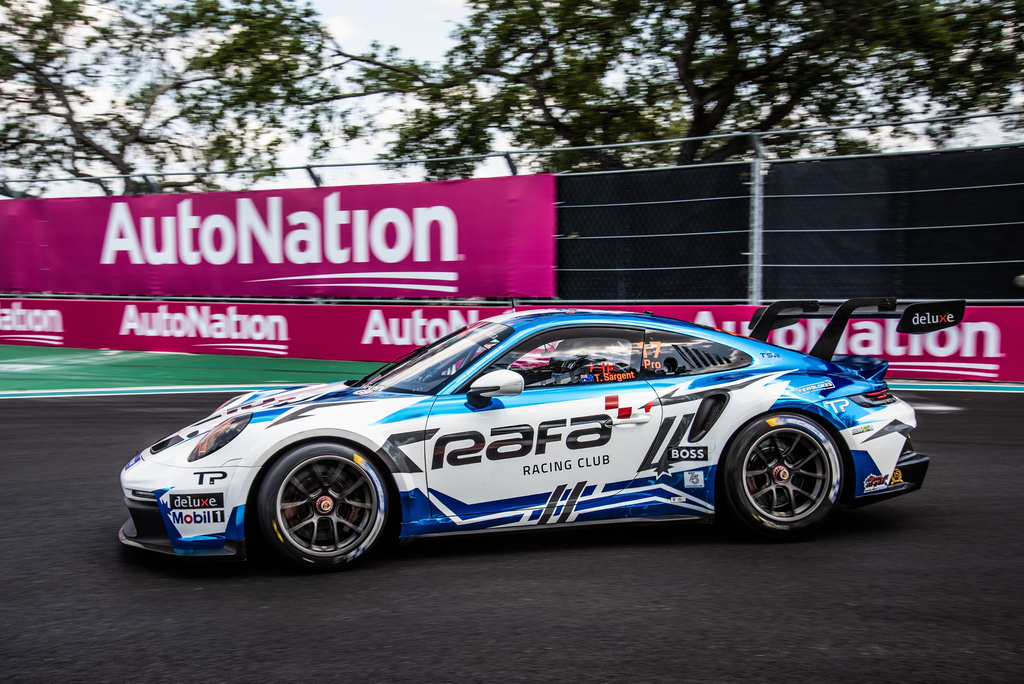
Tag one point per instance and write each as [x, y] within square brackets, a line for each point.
[219, 436]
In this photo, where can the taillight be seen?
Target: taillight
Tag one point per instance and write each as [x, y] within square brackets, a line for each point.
[879, 397]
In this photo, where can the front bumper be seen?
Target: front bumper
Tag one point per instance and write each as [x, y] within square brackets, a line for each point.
[910, 468]
[145, 529]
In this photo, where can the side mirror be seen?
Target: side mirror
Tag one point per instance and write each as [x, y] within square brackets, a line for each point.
[499, 383]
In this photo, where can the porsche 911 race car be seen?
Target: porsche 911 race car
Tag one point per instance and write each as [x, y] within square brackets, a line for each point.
[537, 419]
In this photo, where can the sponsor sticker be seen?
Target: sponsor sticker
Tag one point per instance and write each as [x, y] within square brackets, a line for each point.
[694, 479]
[694, 453]
[197, 517]
[209, 477]
[874, 483]
[194, 501]
[838, 405]
[928, 317]
[816, 387]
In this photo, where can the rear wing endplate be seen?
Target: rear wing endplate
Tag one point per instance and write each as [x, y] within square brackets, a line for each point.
[915, 319]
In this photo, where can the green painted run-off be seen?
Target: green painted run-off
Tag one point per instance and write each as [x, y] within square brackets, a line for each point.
[24, 368]
[45, 371]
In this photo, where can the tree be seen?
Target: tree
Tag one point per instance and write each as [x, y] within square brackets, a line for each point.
[576, 73]
[93, 88]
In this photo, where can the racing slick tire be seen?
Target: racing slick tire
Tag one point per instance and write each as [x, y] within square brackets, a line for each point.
[782, 476]
[323, 505]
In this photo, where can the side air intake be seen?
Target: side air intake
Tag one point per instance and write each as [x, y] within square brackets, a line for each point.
[708, 413]
[698, 359]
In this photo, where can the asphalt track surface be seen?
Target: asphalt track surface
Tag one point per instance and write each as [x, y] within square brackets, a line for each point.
[924, 588]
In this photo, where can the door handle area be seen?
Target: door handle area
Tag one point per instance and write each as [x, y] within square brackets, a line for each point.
[628, 422]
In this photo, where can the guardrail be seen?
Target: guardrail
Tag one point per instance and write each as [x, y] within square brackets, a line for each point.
[979, 349]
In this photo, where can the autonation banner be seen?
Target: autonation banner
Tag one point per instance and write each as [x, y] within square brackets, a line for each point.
[983, 347]
[489, 237]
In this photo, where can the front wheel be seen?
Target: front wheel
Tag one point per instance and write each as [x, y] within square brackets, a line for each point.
[783, 475]
[323, 505]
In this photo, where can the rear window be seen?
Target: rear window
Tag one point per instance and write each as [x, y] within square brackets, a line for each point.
[675, 354]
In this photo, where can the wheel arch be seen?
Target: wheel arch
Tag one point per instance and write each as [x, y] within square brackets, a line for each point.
[280, 450]
[845, 457]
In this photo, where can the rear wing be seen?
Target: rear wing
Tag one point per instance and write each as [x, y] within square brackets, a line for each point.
[915, 319]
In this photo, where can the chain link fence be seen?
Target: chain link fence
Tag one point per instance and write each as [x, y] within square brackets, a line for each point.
[936, 225]
[944, 224]
[909, 224]
[678, 233]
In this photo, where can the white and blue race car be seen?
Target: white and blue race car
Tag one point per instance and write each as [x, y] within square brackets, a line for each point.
[537, 419]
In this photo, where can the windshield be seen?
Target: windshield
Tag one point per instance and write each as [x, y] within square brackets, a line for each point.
[428, 369]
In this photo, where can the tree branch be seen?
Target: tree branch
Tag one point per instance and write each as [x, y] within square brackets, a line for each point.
[364, 59]
[684, 59]
[77, 130]
[777, 114]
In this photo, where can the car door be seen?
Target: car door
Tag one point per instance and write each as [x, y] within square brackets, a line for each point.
[577, 433]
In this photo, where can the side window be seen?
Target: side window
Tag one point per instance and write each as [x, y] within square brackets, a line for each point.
[573, 356]
[674, 354]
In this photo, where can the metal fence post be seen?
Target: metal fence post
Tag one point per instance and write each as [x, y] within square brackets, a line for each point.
[314, 177]
[511, 164]
[10, 192]
[755, 255]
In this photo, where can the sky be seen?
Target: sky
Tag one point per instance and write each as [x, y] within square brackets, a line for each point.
[421, 28]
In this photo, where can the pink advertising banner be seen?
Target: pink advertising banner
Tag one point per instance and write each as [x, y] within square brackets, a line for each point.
[488, 237]
[983, 347]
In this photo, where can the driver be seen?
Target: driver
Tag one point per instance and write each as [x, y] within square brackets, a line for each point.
[589, 360]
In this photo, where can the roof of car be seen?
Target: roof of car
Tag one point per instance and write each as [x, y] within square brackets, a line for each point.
[533, 320]
[522, 320]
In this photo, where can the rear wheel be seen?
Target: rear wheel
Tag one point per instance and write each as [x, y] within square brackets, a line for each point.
[323, 505]
[783, 475]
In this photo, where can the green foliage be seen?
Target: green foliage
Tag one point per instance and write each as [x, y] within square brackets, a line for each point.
[542, 73]
[92, 88]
